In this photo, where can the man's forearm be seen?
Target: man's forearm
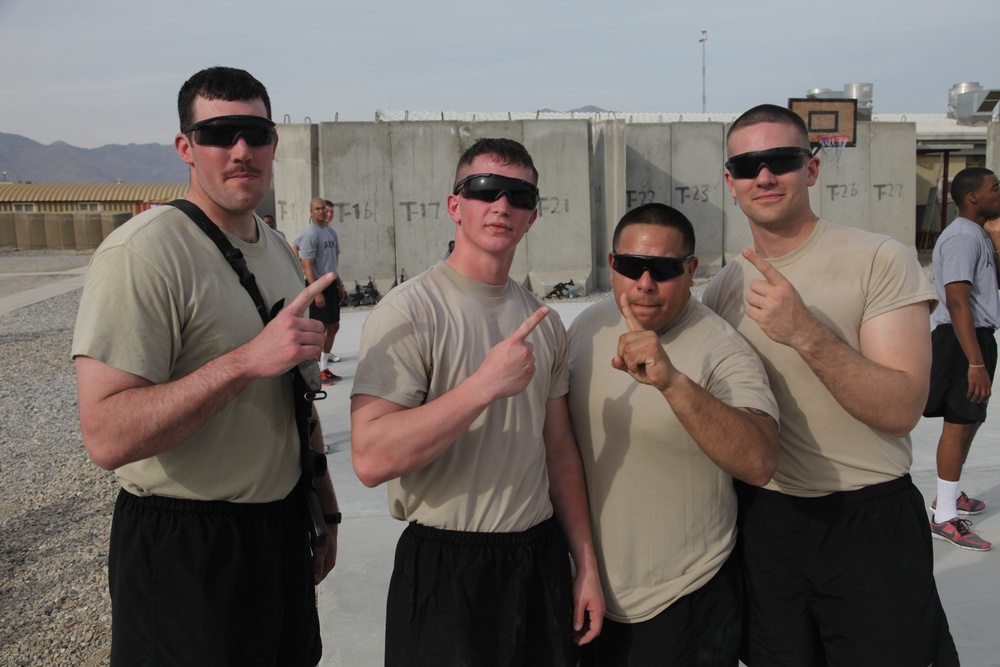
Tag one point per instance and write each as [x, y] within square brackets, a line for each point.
[743, 444]
[143, 421]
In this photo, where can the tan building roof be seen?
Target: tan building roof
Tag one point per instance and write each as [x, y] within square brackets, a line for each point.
[91, 192]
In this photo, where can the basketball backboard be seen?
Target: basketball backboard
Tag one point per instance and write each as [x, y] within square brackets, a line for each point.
[827, 117]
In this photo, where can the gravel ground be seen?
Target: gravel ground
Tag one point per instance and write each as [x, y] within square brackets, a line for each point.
[55, 508]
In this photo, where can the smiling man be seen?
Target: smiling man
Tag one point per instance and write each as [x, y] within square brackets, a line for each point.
[964, 344]
[186, 395]
[837, 554]
[661, 442]
[459, 403]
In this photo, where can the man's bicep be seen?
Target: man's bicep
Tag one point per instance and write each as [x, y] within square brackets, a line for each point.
[96, 381]
[900, 340]
[366, 408]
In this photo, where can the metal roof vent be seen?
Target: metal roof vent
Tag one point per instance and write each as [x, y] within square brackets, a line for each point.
[862, 92]
[971, 104]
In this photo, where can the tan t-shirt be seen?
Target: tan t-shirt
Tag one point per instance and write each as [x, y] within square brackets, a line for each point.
[160, 301]
[846, 277]
[421, 341]
[663, 514]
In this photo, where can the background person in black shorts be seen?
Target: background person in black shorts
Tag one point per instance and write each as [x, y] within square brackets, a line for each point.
[319, 251]
[965, 350]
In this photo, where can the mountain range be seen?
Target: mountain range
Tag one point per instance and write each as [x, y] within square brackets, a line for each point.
[26, 160]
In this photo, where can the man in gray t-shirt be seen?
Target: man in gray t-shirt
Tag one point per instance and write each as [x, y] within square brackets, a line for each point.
[965, 350]
[319, 252]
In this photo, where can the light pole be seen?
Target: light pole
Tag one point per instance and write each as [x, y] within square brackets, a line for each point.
[704, 38]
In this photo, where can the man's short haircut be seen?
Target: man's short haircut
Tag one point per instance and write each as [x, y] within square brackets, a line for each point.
[505, 151]
[219, 83]
[656, 214]
[967, 181]
[770, 113]
[327, 202]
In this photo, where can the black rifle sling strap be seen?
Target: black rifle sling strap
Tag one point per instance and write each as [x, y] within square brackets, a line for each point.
[305, 392]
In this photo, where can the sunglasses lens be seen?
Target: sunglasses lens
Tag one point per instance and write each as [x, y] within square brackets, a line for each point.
[227, 135]
[778, 161]
[227, 130]
[661, 269]
[490, 187]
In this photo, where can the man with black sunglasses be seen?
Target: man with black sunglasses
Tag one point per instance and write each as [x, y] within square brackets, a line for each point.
[661, 442]
[459, 403]
[837, 555]
[186, 394]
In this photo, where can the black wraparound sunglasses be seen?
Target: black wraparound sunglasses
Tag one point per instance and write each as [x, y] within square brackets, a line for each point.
[227, 130]
[490, 187]
[777, 160]
[660, 269]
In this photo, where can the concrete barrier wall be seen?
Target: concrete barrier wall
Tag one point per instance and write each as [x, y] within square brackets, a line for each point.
[390, 182]
[296, 176]
[357, 179]
[610, 153]
[697, 186]
[892, 194]
[560, 245]
[423, 172]
[843, 188]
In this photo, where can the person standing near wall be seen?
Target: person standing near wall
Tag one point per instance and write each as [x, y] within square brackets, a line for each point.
[319, 251]
[459, 403]
[965, 349]
[187, 396]
[840, 318]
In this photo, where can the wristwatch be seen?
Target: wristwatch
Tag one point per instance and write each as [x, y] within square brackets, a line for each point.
[332, 518]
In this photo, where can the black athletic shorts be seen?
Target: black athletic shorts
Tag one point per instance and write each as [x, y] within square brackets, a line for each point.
[483, 599]
[212, 583]
[844, 579]
[330, 312]
[949, 395]
[701, 629]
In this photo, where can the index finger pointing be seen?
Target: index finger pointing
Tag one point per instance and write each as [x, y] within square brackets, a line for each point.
[771, 274]
[300, 304]
[529, 324]
[630, 318]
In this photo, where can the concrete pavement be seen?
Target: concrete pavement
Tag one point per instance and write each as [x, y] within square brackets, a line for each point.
[352, 599]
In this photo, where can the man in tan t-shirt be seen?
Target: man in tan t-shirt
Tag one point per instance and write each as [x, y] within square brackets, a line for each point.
[661, 442]
[459, 404]
[837, 555]
[186, 394]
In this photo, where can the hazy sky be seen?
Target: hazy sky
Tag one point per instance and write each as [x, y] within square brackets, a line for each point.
[95, 72]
